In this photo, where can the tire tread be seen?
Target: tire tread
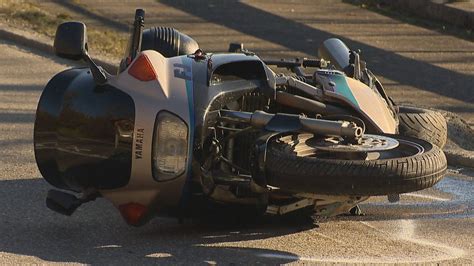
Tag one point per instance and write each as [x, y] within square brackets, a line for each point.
[423, 124]
[357, 177]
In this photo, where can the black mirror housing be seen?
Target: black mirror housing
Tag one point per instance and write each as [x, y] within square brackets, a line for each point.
[71, 40]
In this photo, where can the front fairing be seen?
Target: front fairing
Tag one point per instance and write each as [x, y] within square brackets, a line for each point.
[83, 131]
[171, 91]
[365, 100]
[184, 88]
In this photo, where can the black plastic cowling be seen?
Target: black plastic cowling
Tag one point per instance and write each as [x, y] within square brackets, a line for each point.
[168, 41]
[83, 133]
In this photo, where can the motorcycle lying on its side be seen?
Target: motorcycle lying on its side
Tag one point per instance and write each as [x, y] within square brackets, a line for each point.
[177, 129]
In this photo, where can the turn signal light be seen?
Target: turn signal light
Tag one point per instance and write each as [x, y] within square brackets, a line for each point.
[142, 69]
[132, 212]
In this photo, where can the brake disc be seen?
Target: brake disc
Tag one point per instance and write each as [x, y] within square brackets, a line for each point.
[368, 143]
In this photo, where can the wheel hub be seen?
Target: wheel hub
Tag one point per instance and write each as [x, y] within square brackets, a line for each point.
[368, 143]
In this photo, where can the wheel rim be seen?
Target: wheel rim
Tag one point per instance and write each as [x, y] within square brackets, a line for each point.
[307, 145]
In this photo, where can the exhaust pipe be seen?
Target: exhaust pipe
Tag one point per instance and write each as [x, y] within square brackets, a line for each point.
[288, 122]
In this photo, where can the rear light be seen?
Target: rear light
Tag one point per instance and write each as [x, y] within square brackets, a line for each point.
[133, 213]
[142, 69]
[170, 146]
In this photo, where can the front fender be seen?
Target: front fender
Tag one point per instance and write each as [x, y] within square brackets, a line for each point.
[362, 98]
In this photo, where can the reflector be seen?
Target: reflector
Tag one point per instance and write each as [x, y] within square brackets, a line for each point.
[142, 69]
[132, 212]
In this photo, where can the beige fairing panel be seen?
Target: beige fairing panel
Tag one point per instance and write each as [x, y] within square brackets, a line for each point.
[166, 93]
[373, 106]
[362, 98]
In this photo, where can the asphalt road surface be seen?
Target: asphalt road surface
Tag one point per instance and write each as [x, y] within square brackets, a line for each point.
[435, 225]
[418, 66]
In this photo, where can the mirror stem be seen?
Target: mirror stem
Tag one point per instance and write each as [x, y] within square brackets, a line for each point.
[99, 74]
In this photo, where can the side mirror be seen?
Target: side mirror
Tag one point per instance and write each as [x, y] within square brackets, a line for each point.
[71, 40]
[335, 51]
[71, 43]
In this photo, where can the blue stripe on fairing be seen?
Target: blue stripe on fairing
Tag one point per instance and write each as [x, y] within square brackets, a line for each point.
[342, 87]
[190, 93]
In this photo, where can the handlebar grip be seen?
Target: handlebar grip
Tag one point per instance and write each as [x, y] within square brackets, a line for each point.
[288, 63]
[138, 25]
[139, 13]
[320, 63]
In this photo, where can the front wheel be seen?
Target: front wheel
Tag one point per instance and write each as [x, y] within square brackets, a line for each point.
[378, 166]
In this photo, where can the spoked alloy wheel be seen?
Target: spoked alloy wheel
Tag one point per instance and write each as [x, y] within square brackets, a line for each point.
[370, 147]
[378, 165]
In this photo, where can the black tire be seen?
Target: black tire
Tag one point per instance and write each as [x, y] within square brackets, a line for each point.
[290, 172]
[423, 124]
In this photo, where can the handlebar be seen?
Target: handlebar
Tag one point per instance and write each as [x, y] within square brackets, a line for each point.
[291, 63]
[138, 25]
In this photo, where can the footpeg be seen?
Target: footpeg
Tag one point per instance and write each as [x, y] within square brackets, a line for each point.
[356, 211]
[62, 202]
[65, 203]
[392, 198]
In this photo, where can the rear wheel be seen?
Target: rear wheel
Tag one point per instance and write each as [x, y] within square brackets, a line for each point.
[423, 124]
[305, 163]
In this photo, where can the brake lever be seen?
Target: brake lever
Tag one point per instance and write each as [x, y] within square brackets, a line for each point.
[354, 58]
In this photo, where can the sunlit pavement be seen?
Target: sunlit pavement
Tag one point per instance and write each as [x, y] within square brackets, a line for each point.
[434, 225]
[416, 65]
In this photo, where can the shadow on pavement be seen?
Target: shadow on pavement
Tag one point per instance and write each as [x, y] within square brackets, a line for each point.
[288, 33]
[12, 115]
[12, 143]
[293, 35]
[406, 17]
[20, 88]
[86, 12]
[97, 234]
[458, 109]
[17, 117]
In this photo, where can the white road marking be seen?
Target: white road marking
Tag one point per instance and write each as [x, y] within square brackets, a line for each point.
[426, 197]
[216, 236]
[375, 228]
[330, 238]
[159, 255]
[109, 246]
[359, 260]
[406, 232]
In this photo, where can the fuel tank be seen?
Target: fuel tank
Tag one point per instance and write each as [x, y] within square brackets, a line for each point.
[83, 133]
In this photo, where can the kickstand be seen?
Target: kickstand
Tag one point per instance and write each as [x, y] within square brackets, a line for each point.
[356, 211]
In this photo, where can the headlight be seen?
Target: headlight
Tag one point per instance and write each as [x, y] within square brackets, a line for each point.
[170, 146]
